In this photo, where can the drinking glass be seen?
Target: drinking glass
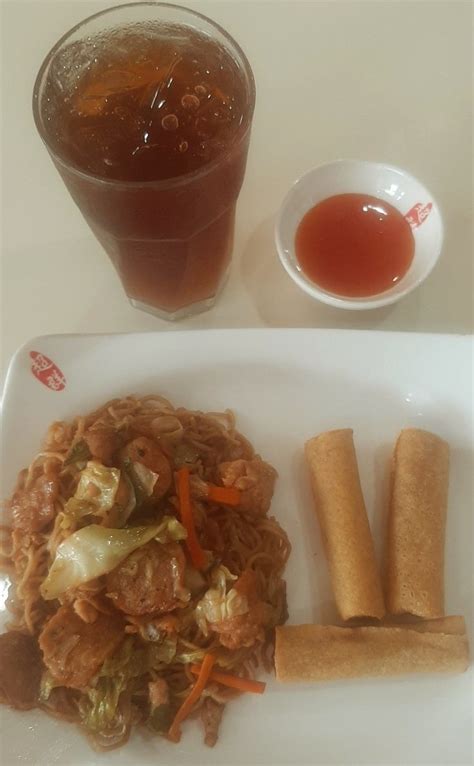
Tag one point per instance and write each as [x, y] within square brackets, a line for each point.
[170, 239]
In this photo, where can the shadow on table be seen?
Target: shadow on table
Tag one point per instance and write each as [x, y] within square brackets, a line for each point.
[281, 303]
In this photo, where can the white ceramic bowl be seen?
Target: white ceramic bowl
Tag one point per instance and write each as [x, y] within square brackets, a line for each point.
[395, 186]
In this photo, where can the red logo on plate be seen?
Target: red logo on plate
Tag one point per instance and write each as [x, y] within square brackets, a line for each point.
[47, 372]
[418, 214]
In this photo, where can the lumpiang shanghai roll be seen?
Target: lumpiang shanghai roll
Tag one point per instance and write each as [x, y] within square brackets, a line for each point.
[345, 528]
[416, 525]
[327, 653]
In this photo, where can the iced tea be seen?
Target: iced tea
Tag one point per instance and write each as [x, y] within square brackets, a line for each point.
[148, 123]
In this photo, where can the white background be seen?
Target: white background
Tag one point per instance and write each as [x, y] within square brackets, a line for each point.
[381, 80]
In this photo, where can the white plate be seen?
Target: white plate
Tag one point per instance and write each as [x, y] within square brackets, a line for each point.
[284, 385]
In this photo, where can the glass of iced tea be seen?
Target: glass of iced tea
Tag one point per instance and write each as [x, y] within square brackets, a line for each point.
[146, 111]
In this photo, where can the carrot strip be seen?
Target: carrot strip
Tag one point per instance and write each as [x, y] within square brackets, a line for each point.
[224, 495]
[234, 682]
[174, 732]
[198, 557]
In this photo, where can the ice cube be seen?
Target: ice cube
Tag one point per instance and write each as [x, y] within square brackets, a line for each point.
[114, 83]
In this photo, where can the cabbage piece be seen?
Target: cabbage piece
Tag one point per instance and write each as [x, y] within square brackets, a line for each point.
[91, 552]
[99, 708]
[48, 683]
[120, 663]
[170, 530]
[96, 491]
[142, 478]
[94, 551]
[80, 453]
[118, 515]
[162, 651]
[115, 516]
[217, 604]
[187, 655]
[133, 662]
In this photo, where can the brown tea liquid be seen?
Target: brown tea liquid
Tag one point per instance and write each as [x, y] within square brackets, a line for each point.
[145, 105]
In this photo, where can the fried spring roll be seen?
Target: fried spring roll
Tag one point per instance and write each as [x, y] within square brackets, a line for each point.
[345, 528]
[416, 525]
[326, 653]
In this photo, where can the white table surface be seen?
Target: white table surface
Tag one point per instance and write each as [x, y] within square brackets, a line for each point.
[379, 79]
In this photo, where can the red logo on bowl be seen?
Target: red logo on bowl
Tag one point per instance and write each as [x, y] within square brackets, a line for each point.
[418, 213]
[47, 372]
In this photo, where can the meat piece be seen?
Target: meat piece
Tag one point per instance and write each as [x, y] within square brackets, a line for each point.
[169, 623]
[153, 628]
[85, 610]
[103, 443]
[150, 580]
[199, 488]
[20, 670]
[211, 715]
[245, 629]
[32, 509]
[158, 692]
[256, 481]
[149, 454]
[74, 650]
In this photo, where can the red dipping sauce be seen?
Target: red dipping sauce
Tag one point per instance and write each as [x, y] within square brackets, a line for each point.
[354, 245]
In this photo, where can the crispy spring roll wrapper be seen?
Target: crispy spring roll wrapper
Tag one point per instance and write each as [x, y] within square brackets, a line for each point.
[454, 625]
[345, 528]
[327, 653]
[416, 525]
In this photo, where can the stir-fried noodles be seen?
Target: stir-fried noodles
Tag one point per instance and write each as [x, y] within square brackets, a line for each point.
[146, 571]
